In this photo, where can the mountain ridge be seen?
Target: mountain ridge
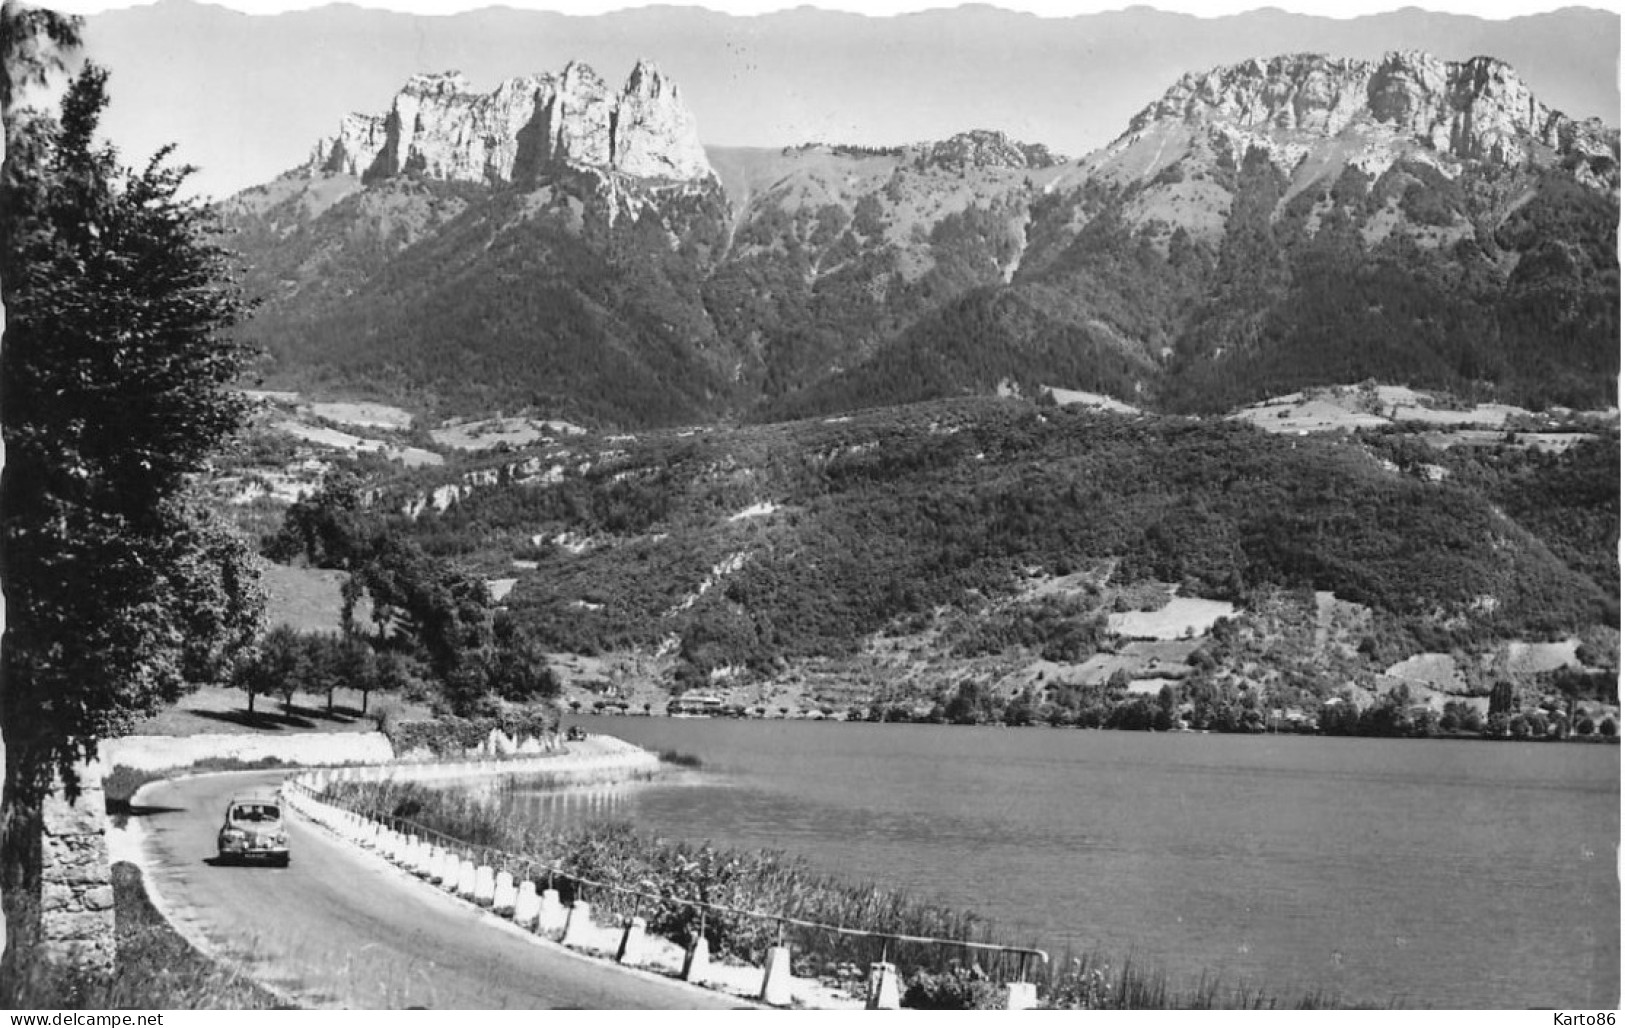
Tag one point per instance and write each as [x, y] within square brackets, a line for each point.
[765, 80]
[1170, 268]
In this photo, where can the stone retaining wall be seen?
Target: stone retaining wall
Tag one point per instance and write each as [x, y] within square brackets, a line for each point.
[157, 752]
[76, 881]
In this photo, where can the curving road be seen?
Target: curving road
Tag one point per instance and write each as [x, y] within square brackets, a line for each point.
[343, 928]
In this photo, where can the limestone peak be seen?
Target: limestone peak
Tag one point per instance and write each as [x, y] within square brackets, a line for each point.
[440, 127]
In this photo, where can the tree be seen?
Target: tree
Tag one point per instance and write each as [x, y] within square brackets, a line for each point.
[1501, 697]
[34, 44]
[325, 527]
[1021, 710]
[355, 667]
[120, 593]
[277, 666]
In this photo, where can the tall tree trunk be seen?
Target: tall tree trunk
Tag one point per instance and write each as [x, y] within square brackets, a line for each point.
[33, 46]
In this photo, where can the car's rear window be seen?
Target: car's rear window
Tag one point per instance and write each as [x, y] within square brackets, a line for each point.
[255, 812]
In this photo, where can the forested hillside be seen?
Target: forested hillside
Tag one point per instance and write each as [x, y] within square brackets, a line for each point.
[749, 548]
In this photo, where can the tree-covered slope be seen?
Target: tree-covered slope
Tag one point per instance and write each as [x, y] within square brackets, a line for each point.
[756, 545]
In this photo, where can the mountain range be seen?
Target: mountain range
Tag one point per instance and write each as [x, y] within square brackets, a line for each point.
[244, 94]
[568, 247]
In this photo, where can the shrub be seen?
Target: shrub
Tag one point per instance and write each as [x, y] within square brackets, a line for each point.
[452, 736]
[957, 988]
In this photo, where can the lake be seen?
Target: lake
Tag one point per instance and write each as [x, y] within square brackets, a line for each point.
[1419, 873]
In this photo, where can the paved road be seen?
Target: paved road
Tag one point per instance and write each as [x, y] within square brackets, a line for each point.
[341, 928]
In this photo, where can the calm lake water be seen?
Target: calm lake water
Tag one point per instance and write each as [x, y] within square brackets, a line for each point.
[1409, 872]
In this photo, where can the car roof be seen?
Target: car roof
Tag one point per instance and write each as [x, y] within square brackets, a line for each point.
[257, 797]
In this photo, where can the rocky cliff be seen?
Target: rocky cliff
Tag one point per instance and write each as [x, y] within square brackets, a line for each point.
[1452, 111]
[1261, 228]
[438, 126]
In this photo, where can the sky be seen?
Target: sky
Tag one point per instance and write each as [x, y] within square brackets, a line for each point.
[245, 99]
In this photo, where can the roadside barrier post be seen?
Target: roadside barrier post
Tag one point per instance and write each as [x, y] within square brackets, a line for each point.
[776, 978]
[467, 877]
[435, 865]
[422, 857]
[552, 916]
[527, 905]
[503, 894]
[697, 961]
[882, 987]
[1023, 996]
[485, 886]
[631, 948]
[578, 923]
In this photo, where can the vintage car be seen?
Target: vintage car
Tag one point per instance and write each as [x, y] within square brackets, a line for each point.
[254, 829]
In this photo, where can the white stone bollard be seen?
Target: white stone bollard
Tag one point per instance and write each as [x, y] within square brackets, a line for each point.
[503, 894]
[435, 865]
[776, 978]
[1023, 996]
[526, 905]
[697, 961]
[552, 916]
[454, 874]
[883, 987]
[485, 886]
[422, 857]
[579, 923]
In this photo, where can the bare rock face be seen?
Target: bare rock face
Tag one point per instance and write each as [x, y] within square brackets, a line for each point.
[1297, 92]
[655, 135]
[440, 128]
[1476, 110]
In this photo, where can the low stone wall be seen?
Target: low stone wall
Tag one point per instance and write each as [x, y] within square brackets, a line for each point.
[76, 879]
[592, 761]
[157, 752]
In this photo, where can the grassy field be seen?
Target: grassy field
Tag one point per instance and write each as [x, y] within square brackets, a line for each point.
[217, 710]
[306, 599]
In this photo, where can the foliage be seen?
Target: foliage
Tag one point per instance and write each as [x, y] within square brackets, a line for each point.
[936, 516]
[34, 42]
[285, 662]
[424, 608]
[452, 736]
[958, 988]
[120, 592]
